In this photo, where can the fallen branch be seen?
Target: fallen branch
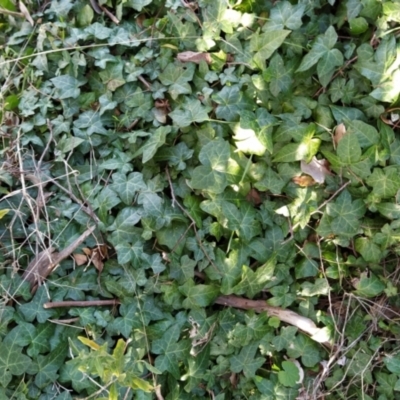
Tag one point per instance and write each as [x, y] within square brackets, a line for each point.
[87, 303]
[44, 263]
[290, 317]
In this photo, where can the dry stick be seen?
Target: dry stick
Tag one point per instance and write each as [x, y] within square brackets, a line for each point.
[303, 323]
[44, 263]
[174, 200]
[87, 303]
[84, 208]
[110, 15]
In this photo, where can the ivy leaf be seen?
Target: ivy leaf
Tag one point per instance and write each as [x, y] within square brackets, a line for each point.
[243, 220]
[366, 134]
[156, 140]
[67, 86]
[346, 214]
[321, 47]
[348, 149]
[305, 348]
[245, 361]
[231, 103]
[265, 44]
[126, 186]
[369, 250]
[192, 111]
[290, 375]
[369, 286]
[253, 282]
[12, 361]
[198, 295]
[283, 14]
[385, 181]
[138, 5]
[127, 321]
[123, 228]
[170, 351]
[177, 78]
[47, 366]
[34, 309]
[211, 175]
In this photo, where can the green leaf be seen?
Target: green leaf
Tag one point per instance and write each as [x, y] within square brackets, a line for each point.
[170, 352]
[211, 175]
[12, 361]
[176, 77]
[290, 375]
[252, 283]
[48, 366]
[231, 103]
[126, 186]
[198, 295]
[67, 86]
[137, 5]
[34, 309]
[192, 111]
[243, 220]
[346, 214]
[321, 47]
[366, 134]
[156, 140]
[283, 14]
[246, 361]
[385, 182]
[369, 286]
[348, 149]
[265, 44]
[369, 250]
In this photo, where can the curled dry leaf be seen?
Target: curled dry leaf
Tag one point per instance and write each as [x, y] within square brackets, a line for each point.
[26, 13]
[317, 169]
[304, 180]
[192, 56]
[340, 131]
[80, 259]
[254, 197]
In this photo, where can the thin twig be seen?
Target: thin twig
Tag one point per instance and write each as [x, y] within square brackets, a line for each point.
[87, 303]
[175, 201]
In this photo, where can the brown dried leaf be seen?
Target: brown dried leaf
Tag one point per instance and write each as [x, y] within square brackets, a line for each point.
[80, 259]
[97, 259]
[192, 56]
[304, 180]
[254, 197]
[317, 169]
[340, 131]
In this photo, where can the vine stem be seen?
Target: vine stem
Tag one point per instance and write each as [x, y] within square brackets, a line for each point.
[87, 303]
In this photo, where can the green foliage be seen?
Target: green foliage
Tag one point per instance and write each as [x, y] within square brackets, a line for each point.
[183, 132]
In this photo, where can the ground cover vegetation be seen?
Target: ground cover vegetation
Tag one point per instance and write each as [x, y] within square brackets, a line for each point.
[200, 199]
